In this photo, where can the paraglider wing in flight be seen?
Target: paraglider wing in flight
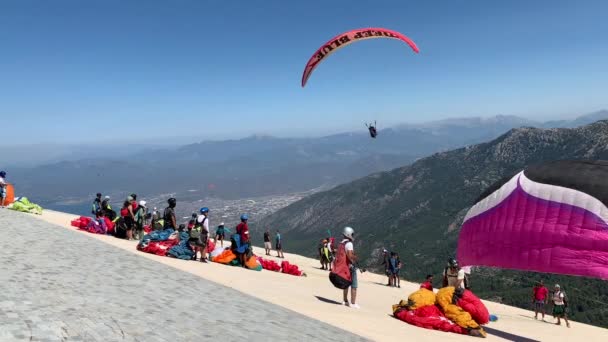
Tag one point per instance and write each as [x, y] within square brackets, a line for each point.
[550, 218]
[347, 38]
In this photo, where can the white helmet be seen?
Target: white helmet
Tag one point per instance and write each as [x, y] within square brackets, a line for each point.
[348, 233]
[142, 203]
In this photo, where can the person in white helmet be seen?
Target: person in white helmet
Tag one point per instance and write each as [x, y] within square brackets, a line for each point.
[140, 220]
[349, 237]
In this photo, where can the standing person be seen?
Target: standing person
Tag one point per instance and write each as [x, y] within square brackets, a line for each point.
[106, 208]
[349, 237]
[140, 220]
[267, 244]
[169, 219]
[278, 245]
[386, 263]
[324, 255]
[399, 264]
[242, 229]
[220, 233]
[394, 267]
[156, 223]
[135, 205]
[428, 284]
[331, 251]
[453, 275]
[202, 221]
[3, 186]
[560, 304]
[96, 204]
[128, 217]
[540, 297]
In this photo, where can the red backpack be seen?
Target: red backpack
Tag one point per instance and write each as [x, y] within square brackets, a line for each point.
[340, 274]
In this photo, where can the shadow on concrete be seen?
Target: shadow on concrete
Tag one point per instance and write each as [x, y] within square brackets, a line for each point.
[508, 336]
[328, 301]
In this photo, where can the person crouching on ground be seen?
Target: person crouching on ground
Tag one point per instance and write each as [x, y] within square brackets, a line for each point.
[202, 223]
[349, 237]
[220, 233]
[242, 229]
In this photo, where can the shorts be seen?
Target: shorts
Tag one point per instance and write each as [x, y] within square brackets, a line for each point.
[2, 193]
[279, 246]
[539, 304]
[219, 236]
[353, 276]
[202, 242]
[267, 245]
[559, 310]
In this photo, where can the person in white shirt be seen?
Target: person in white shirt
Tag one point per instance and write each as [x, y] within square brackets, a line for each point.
[560, 304]
[2, 188]
[202, 222]
[453, 275]
[348, 234]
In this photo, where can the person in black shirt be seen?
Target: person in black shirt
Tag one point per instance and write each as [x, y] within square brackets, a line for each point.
[267, 244]
[169, 214]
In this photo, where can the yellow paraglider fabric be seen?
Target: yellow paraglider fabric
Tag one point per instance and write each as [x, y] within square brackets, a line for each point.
[454, 312]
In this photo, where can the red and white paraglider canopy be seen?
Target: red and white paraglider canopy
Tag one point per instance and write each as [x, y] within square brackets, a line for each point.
[347, 38]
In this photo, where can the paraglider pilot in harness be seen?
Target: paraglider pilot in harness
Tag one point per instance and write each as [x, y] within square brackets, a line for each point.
[372, 129]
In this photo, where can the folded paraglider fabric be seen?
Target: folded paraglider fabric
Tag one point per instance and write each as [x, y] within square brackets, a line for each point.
[288, 268]
[253, 264]
[225, 257]
[420, 298]
[110, 225]
[473, 305]
[182, 250]
[429, 317]
[439, 312]
[81, 222]
[157, 247]
[22, 204]
[454, 312]
[269, 265]
[217, 251]
[97, 226]
[159, 235]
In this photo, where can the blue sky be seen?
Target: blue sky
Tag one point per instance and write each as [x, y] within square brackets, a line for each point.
[73, 71]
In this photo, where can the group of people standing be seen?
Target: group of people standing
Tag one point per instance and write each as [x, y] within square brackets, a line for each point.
[540, 298]
[133, 215]
[392, 266]
[278, 244]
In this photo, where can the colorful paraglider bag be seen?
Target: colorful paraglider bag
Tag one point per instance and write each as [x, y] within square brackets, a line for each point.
[340, 275]
[550, 218]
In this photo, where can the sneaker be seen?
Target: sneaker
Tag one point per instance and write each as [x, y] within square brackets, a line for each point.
[345, 304]
[355, 306]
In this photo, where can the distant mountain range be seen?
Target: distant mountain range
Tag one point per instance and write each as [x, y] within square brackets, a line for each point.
[417, 210]
[254, 166]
